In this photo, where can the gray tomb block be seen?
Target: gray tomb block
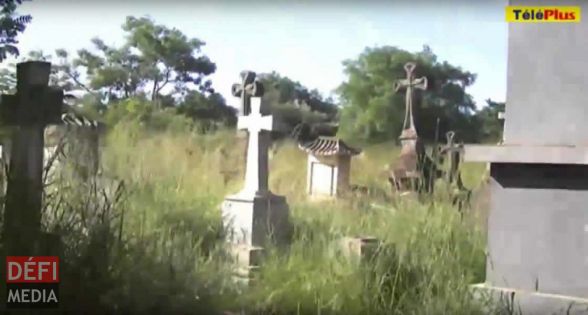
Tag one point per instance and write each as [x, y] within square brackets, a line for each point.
[538, 222]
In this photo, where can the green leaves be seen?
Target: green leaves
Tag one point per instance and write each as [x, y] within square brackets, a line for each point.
[294, 103]
[10, 26]
[155, 60]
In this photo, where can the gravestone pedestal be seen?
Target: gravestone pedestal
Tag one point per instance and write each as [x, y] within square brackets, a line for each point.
[251, 222]
[256, 219]
[538, 221]
[360, 249]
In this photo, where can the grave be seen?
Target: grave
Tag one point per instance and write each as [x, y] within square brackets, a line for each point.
[328, 166]
[255, 216]
[538, 223]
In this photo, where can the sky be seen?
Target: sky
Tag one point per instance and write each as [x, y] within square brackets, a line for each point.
[306, 41]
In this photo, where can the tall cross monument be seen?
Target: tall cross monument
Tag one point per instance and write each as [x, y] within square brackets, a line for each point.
[410, 83]
[408, 167]
[258, 127]
[255, 215]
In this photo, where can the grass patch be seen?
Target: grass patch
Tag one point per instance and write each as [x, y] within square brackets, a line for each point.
[162, 251]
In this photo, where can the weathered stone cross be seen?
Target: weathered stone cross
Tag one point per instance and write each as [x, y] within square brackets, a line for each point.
[258, 126]
[248, 88]
[453, 151]
[412, 153]
[34, 106]
[410, 83]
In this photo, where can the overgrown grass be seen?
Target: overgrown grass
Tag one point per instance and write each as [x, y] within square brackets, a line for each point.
[165, 253]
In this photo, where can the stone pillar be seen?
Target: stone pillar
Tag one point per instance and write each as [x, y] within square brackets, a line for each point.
[538, 223]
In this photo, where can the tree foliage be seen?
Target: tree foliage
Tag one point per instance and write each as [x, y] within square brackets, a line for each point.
[211, 110]
[373, 111]
[158, 71]
[154, 60]
[295, 103]
[489, 125]
[11, 24]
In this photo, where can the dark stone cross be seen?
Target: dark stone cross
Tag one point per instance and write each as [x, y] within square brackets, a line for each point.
[410, 164]
[249, 87]
[34, 106]
[410, 83]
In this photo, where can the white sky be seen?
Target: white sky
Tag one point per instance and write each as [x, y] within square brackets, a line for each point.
[306, 42]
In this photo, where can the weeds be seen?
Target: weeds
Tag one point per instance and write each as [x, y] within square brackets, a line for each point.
[154, 244]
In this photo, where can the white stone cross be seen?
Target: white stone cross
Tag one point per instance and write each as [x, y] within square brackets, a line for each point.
[257, 125]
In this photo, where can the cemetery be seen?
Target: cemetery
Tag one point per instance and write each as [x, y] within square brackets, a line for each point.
[194, 207]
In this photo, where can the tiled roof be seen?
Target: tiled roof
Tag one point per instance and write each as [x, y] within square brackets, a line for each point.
[328, 146]
[72, 118]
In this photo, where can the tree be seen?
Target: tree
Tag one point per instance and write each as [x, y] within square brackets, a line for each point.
[57, 77]
[490, 126]
[11, 25]
[295, 103]
[372, 111]
[153, 58]
[211, 111]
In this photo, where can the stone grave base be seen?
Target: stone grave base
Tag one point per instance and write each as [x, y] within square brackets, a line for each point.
[535, 303]
[256, 219]
[359, 248]
[247, 260]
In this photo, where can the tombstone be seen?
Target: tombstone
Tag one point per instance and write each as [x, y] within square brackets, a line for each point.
[359, 249]
[538, 223]
[34, 106]
[453, 153]
[79, 139]
[75, 139]
[328, 167]
[255, 216]
[407, 173]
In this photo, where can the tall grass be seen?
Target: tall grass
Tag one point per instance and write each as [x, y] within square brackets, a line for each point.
[165, 250]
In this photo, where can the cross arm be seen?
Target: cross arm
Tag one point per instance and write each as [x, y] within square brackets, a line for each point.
[43, 105]
[420, 83]
[254, 123]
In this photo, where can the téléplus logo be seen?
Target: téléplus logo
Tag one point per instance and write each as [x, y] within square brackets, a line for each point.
[542, 14]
